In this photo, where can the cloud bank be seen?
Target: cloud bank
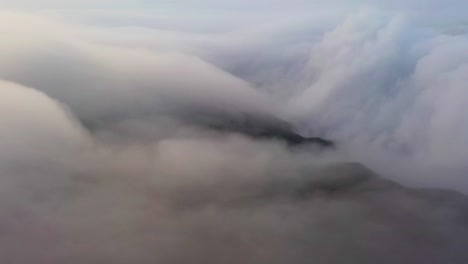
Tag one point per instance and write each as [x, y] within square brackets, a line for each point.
[97, 166]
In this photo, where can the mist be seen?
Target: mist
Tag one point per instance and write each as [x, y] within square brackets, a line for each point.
[111, 149]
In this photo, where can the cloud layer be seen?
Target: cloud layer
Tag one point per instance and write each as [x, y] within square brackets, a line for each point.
[96, 168]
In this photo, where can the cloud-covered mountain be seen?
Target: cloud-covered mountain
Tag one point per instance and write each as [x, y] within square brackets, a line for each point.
[160, 135]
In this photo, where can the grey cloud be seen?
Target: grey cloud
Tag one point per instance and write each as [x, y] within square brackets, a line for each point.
[143, 187]
[241, 201]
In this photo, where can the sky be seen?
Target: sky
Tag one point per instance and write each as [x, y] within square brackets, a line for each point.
[94, 168]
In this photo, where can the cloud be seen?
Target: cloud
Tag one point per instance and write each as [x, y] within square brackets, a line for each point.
[31, 123]
[378, 82]
[102, 80]
[202, 198]
[95, 168]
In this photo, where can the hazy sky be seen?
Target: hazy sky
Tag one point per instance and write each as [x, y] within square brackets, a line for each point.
[420, 7]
